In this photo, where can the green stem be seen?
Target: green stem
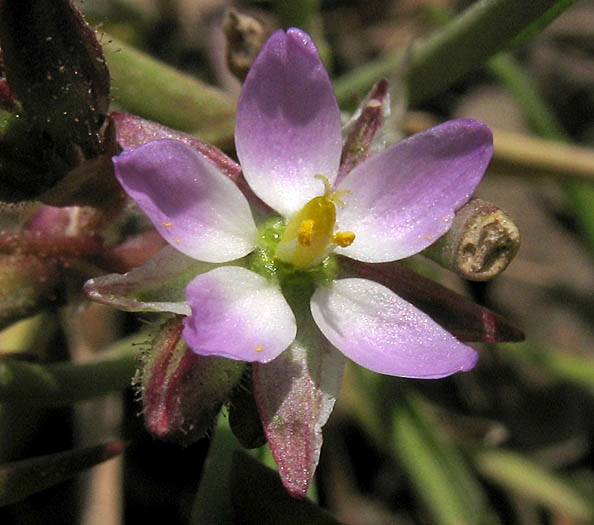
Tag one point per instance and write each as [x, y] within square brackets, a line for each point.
[63, 384]
[156, 91]
[461, 46]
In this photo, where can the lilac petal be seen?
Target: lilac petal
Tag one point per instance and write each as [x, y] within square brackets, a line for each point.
[460, 316]
[377, 329]
[295, 394]
[25, 477]
[288, 123]
[197, 209]
[133, 131]
[238, 314]
[404, 198]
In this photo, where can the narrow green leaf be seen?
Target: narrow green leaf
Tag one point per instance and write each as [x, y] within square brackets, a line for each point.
[538, 25]
[525, 91]
[63, 384]
[153, 90]
[461, 46]
[20, 479]
[560, 365]
[259, 497]
[519, 474]
[439, 473]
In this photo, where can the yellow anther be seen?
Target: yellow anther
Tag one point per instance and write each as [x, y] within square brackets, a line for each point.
[176, 239]
[305, 232]
[168, 224]
[259, 348]
[343, 239]
[309, 236]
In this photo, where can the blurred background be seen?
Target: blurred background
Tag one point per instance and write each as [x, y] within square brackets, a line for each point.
[517, 433]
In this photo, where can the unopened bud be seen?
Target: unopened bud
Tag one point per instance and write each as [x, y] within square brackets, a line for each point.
[182, 392]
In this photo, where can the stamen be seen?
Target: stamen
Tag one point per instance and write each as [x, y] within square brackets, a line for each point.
[336, 197]
[309, 236]
[259, 348]
[332, 196]
[168, 224]
[305, 232]
[343, 239]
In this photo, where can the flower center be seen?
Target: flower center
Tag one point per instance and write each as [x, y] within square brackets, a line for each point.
[309, 236]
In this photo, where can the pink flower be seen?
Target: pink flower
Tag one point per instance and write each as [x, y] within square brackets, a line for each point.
[288, 138]
[270, 288]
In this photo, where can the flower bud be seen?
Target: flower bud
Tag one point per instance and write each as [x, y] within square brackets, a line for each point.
[182, 392]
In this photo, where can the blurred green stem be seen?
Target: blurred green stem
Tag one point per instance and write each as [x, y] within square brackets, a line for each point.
[361, 396]
[526, 93]
[153, 90]
[436, 468]
[517, 472]
[563, 366]
[461, 46]
[62, 384]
